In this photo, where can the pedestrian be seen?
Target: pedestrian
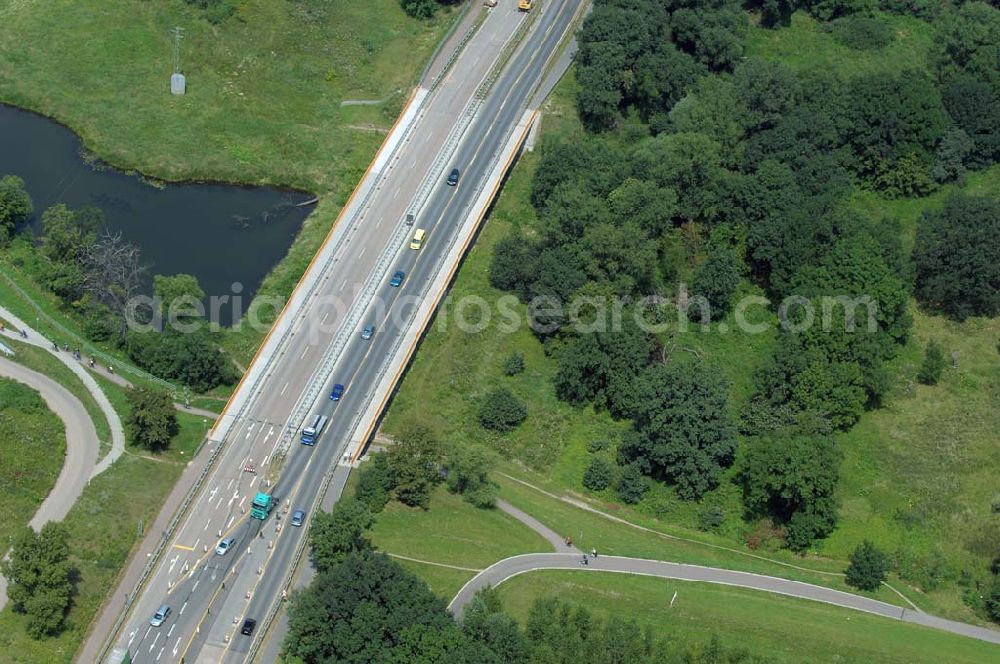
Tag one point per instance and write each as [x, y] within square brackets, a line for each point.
[593, 552]
[569, 541]
[585, 561]
[111, 369]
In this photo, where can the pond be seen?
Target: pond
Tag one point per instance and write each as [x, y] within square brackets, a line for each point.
[221, 234]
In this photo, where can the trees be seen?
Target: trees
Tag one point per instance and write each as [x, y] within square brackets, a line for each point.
[501, 411]
[718, 277]
[867, 568]
[514, 364]
[766, 88]
[67, 236]
[682, 427]
[360, 609]
[598, 475]
[713, 33]
[41, 579]
[415, 460]
[933, 364]
[792, 476]
[376, 482]
[15, 205]
[631, 485]
[152, 420]
[193, 358]
[974, 105]
[469, 475]
[957, 257]
[338, 533]
[423, 8]
[968, 42]
[179, 295]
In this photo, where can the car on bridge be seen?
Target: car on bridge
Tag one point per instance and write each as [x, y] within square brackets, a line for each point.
[397, 279]
[248, 627]
[160, 616]
[298, 517]
[368, 332]
[224, 546]
[338, 391]
[418, 239]
[453, 177]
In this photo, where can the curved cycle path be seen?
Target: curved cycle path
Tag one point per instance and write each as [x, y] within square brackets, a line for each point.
[505, 569]
[531, 562]
[114, 422]
[82, 447]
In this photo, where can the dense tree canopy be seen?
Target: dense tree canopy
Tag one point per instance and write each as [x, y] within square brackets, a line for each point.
[957, 257]
[152, 420]
[41, 579]
[15, 205]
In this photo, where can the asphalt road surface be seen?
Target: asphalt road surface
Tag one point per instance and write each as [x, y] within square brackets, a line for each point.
[211, 594]
[510, 567]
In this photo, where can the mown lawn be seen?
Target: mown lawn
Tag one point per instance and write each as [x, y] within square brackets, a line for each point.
[781, 628]
[451, 532]
[33, 447]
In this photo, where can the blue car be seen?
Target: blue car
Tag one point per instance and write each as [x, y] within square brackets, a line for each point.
[338, 391]
[397, 279]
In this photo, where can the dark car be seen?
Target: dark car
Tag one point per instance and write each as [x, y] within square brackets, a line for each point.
[368, 332]
[453, 177]
[248, 627]
[338, 391]
[298, 517]
[397, 279]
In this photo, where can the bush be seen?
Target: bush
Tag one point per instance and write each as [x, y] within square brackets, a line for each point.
[711, 518]
[15, 205]
[631, 485]
[862, 32]
[934, 363]
[595, 446]
[598, 475]
[993, 600]
[868, 567]
[513, 365]
[502, 411]
[375, 482]
[152, 420]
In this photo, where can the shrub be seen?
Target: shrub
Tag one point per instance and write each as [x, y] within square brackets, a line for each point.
[868, 567]
[711, 518]
[934, 363]
[598, 475]
[595, 446]
[631, 485]
[862, 32]
[513, 365]
[375, 482]
[993, 600]
[502, 411]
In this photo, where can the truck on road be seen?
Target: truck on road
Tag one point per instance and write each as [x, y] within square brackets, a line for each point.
[263, 503]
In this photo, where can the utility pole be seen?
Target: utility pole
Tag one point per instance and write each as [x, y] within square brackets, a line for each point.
[177, 82]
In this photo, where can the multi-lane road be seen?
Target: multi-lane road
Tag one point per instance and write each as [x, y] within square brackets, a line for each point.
[463, 123]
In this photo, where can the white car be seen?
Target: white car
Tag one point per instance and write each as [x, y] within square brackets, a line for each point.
[160, 616]
[224, 546]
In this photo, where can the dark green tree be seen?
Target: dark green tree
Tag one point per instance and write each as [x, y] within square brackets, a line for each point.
[41, 580]
[683, 430]
[179, 294]
[415, 460]
[512, 267]
[469, 475]
[67, 235]
[767, 89]
[501, 411]
[335, 534]
[193, 358]
[933, 364]
[957, 257]
[376, 482]
[152, 420]
[993, 599]
[484, 621]
[792, 477]
[974, 105]
[598, 475]
[713, 33]
[867, 568]
[514, 364]
[632, 485]
[15, 205]
[718, 278]
[967, 40]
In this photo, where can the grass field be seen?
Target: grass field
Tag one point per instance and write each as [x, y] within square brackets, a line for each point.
[782, 628]
[32, 446]
[451, 532]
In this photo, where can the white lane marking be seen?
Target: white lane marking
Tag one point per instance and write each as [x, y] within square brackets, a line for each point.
[171, 630]
[153, 644]
[181, 612]
[325, 316]
[231, 519]
[396, 194]
[343, 285]
[195, 586]
[306, 350]
[195, 547]
[173, 561]
[177, 645]
[361, 253]
[159, 653]
[206, 524]
[230, 484]
[211, 494]
[242, 500]
[413, 165]
[269, 432]
[283, 390]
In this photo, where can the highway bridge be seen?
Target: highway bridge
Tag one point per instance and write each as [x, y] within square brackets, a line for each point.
[474, 116]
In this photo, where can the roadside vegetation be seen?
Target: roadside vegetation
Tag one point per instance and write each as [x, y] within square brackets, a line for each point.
[881, 454]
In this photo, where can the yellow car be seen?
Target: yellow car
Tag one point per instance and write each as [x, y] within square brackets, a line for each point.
[418, 239]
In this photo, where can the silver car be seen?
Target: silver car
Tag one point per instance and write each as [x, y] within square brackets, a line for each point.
[224, 546]
[160, 616]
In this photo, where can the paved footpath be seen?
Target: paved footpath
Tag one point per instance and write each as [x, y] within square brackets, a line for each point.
[82, 447]
[114, 422]
[510, 567]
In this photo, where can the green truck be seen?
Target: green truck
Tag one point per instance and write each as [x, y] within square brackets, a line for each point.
[262, 505]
